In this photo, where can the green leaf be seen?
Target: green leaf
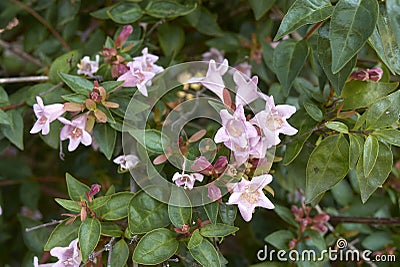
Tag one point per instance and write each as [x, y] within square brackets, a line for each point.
[204, 22]
[77, 84]
[169, 9]
[324, 52]
[337, 126]
[328, 164]
[105, 137]
[111, 86]
[172, 39]
[63, 234]
[288, 60]
[316, 238]
[89, 236]
[110, 229]
[380, 171]
[155, 247]
[4, 118]
[75, 98]
[260, 8]
[390, 136]
[3, 97]
[212, 211]
[353, 21]
[67, 204]
[15, 131]
[384, 112]
[125, 12]
[67, 10]
[204, 253]
[101, 13]
[115, 208]
[145, 213]
[280, 239]
[355, 150]
[179, 208]
[152, 139]
[76, 189]
[61, 64]
[34, 240]
[227, 213]
[120, 254]
[218, 230]
[285, 214]
[229, 42]
[370, 154]
[303, 12]
[393, 10]
[377, 241]
[195, 239]
[343, 193]
[313, 110]
[358, 94]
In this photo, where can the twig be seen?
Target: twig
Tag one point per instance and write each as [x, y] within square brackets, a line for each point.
[107, 247]
[24, 79]
[21, 54]
[313, 29]
[364, 220]
[53, 222]
[321, 127]
[44, 22]
[13, 106]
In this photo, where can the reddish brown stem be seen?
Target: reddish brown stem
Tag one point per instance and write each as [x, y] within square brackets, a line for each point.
[364, 220]
[13, 106]
[313, 29]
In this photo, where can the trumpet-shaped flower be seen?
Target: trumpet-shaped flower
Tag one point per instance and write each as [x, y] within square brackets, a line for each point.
[136, 76]
[187, 180]
[45, 115]
[123, 35]
[246, 90]
[272, 121]
[147, 60]
[88, 67]
[214, 193]
[75, 131]
[248, 195]
[67, 256]
[127, 162]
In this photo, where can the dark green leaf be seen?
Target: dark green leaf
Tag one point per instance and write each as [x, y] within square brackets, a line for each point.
[4, 118]
[152, 139]
[76, 189]
[63, 234]
[377, 241]
[145, 213]
[155, 247]
[316, 238]
[75, 98]
[390, 135]
[285, 214]
[105, 137]
[15, 131]
[110, 229]
[353, 21]
[111, 86]
[260, 8]
[125, 13]
[205, 254]
[3, 97]
[218, 230]
[172, 39]
[289, 58]
[227, 213]
[369, 183]
[34, 240]
[337, 126]
[355, 150]
[280, 239]
[314, 111]
[195, 239]
[212, 211]
[116, 207]
[61, 64]
[328, 164]
[77, 84]
[169, 9]
[358, 94]
[67, 204]
[101, 13]
[370, 154]
[67, 10]
[384, 112]
[204, 22]
[343, 193]
[229, 42]
[303, 12]
[393, 10]
[120, 254]
[89, 236]
[179, 208]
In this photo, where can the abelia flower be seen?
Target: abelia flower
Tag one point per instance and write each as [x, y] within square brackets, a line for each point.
[147, 60]
[94, 189]
[75, 131]
[246, 90]
[136, 76]
[123, 35]
[88, 67]
[45, 115]
[248, 195]
[202, 165]
[127, 162]
[187, 180]
[374, 74]
[213, 54]
[67, 256]
[214, 193]
[272, 121]
[236, 133]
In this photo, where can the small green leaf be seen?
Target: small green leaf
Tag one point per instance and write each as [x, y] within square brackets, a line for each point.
[63, 234]
[280, 239]
[205, 254]
[370, 154]
[203, 21]
[285, 214]
[120, 254]
[152, 139]
[76, 189]
[67, 10]
[116, 207]
[111, 86]
[218, 230]
[353, 21]
[172, 39]
[61, 64]
[313, 110]
[179, 208]
[195, 239]
[355, 150]
[89, 236]
[377, 241]
[288, 60]
[125, 12]
[227, 213]
[343, 193]
[393, 10]
[4, 118]
[260, 8]
[328, 164]
[384, 112]
[34, 240]
[303, 12]
[145, 213]
[15, 131]
[77, 84]
[101, 13]
[155, 247]
[316, 238]
[390, 136]
[169, 9]
[105, 137]
[110, 229]
[212, 211]
[75, 98]
[68, 204]
[337, 126]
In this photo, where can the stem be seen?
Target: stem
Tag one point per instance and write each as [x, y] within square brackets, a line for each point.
[321, 127]
[21, 54]
[44, 22]
[313, 29]
[53, 222]
[13, 106]
[364, 220]
[24, 79]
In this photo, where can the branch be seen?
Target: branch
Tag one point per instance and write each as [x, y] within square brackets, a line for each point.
[24, 79]
[21, 54]
[53, 222]
[13, 106]
[313, 29]
[364, 220]
[44, 22]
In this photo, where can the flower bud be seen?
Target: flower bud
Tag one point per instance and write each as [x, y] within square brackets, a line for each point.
[375, 74]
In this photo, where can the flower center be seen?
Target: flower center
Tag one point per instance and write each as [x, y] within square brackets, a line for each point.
[42, 120]
[68, 262]
[234, 128]
[274, 122]
[76, 132]
[250, 195]
[140, 76]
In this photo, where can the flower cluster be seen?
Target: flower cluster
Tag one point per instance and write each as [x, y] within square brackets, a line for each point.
[374, 74]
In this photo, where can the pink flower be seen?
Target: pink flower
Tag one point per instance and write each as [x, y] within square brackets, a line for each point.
[236, 133]
[45, 115]
[187, 180]
[214, 193]
[126, 162]
[75, 131]
[202, 165]
[67, 256]
[136, 76]
[213, 54]
[246, 90]
[94, 189]
[248, 195]
[374, 74]
[272, 121]
[360, 75]
[88, 67]
[123, 35]
[147, 60]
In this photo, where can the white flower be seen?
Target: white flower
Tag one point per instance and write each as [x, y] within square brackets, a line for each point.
[126, 162]
[187, 180]
[67, 256]
[45, 115]
[87, 66]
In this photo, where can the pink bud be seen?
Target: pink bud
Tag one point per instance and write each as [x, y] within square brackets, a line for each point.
[292, 243]
[94, 189]
[221, 164]
[321, 218]
[201, 164]
[375, 74]
[320, 227]
[125, 32]
[214, 192]
[360, 75]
